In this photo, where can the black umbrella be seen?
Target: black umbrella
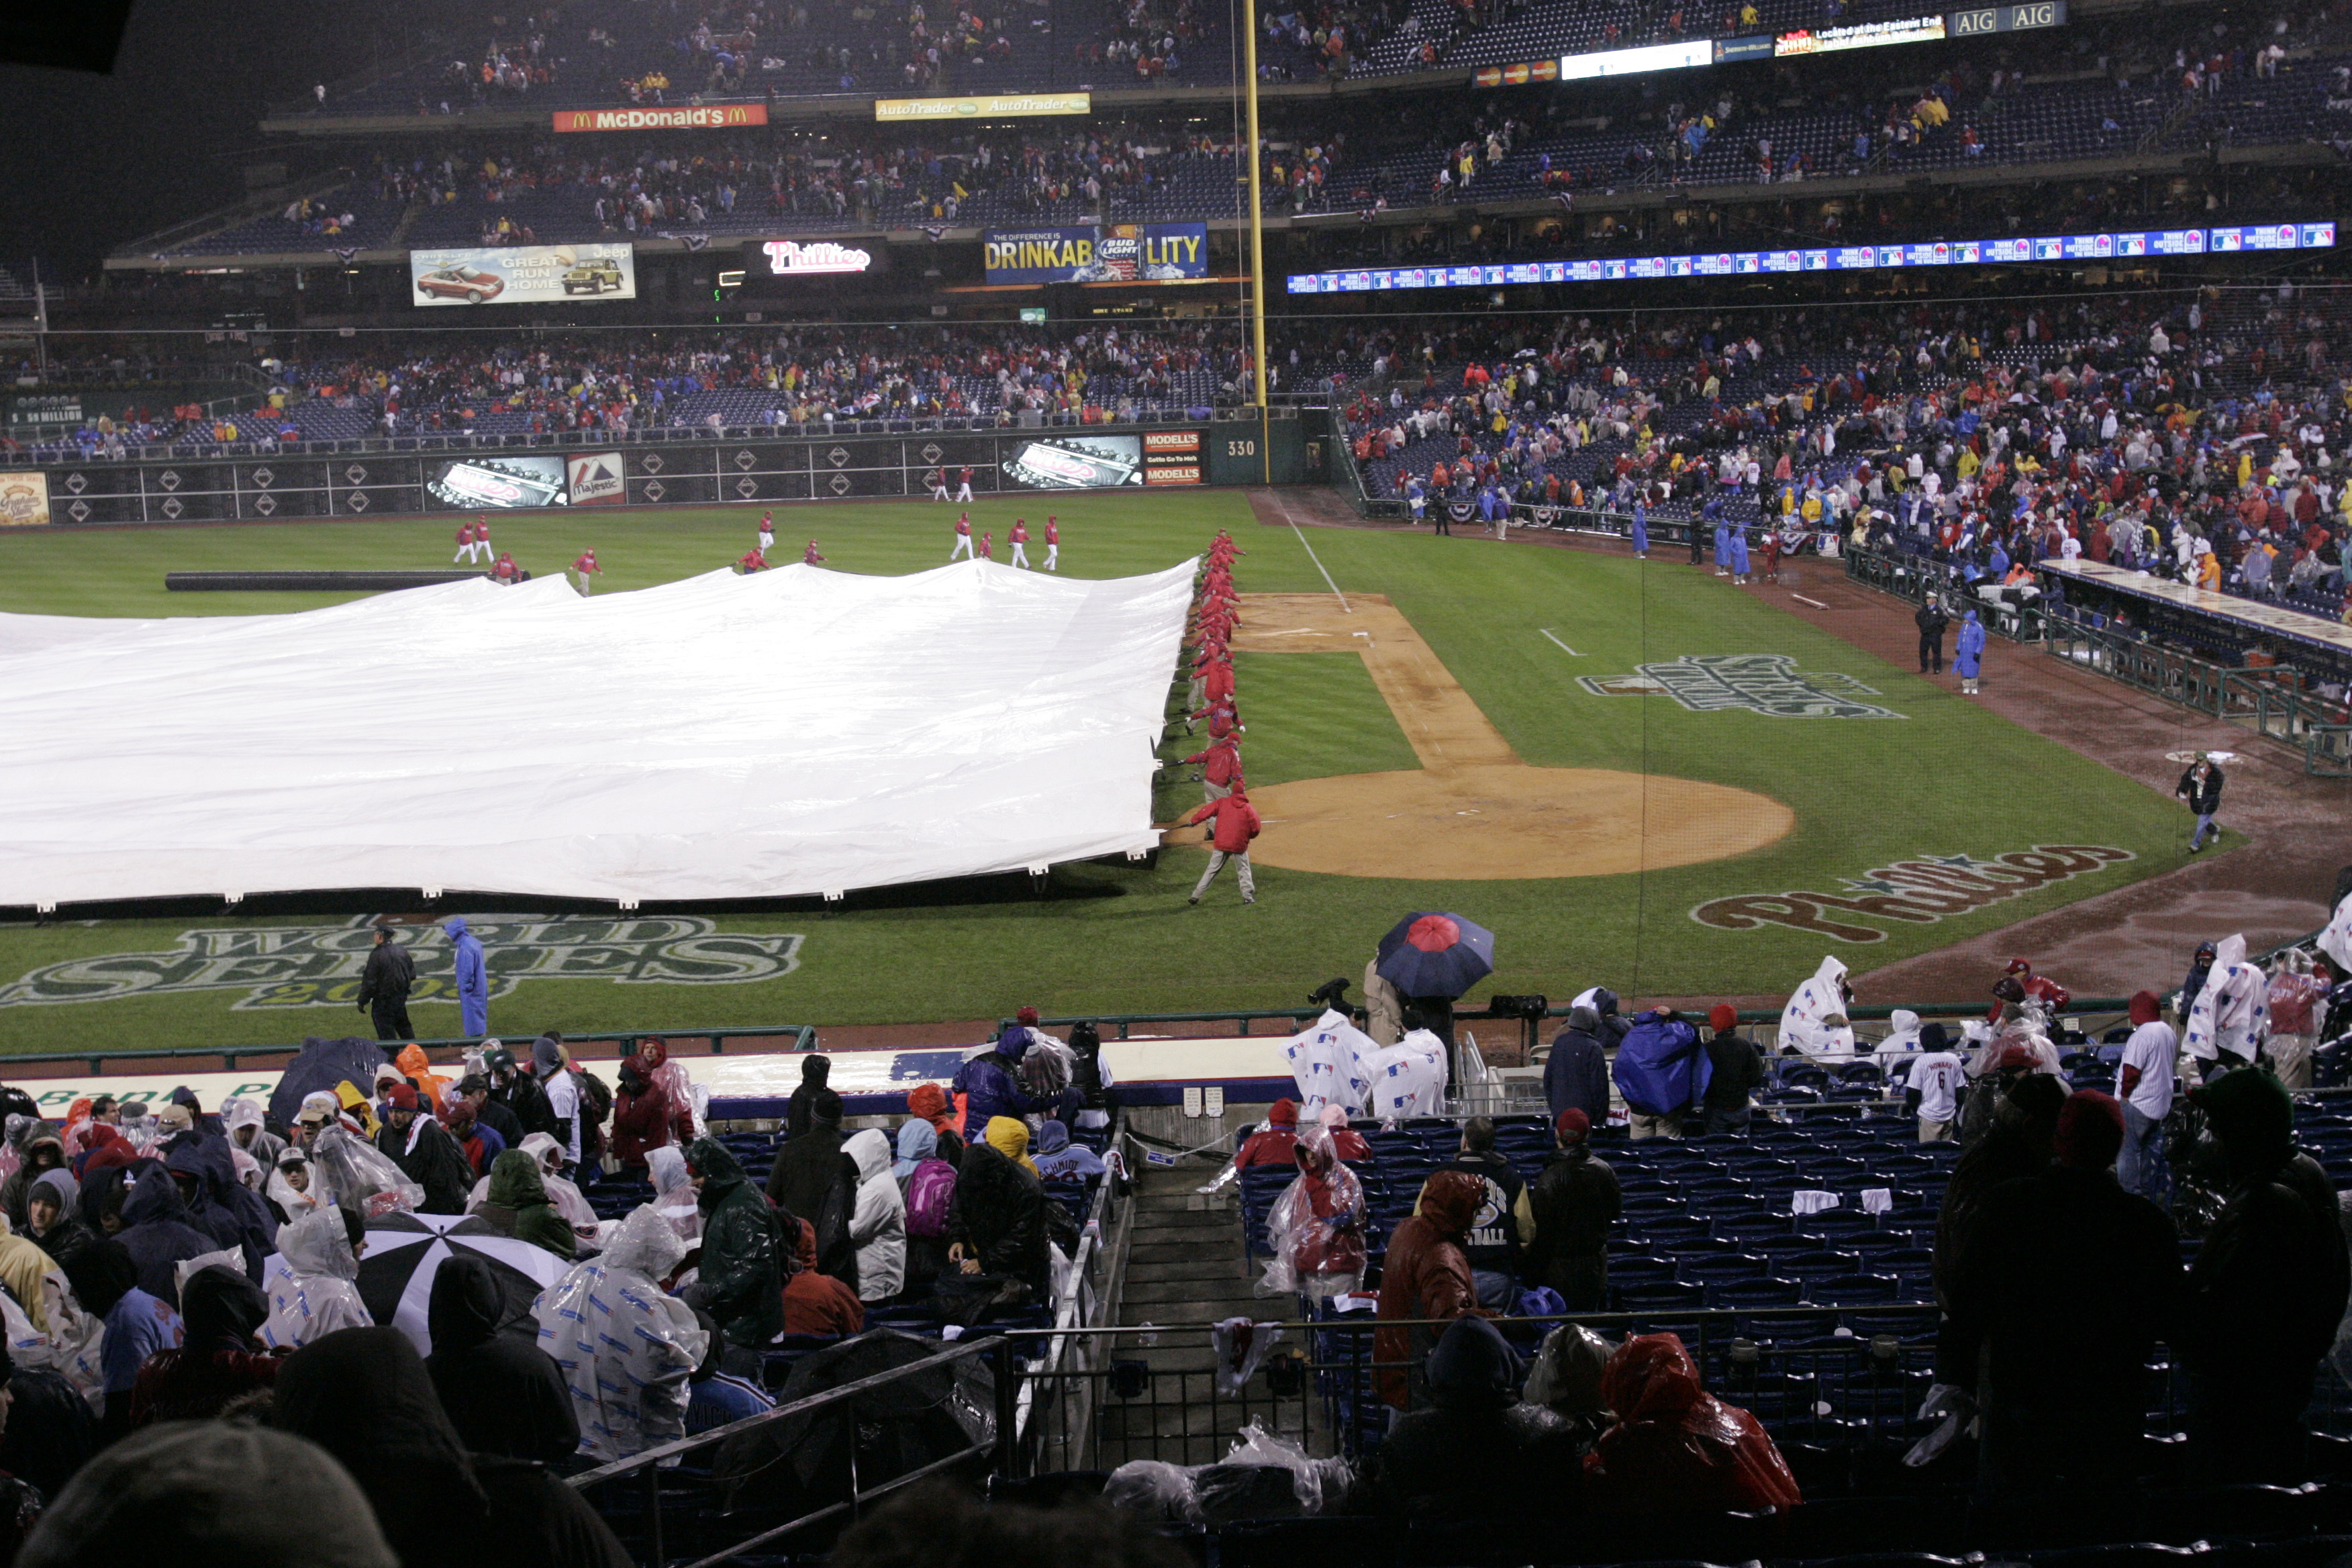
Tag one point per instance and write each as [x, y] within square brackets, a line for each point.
[893, 1429]
[406, 1250]
[1430, 954]
[319, 1067]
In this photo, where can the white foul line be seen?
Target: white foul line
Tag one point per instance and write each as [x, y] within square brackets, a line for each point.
[1562, 645]
[1318, 565]
[1815, 602]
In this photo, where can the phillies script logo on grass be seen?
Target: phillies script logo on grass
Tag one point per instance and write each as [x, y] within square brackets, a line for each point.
[319, 966]
[1921, 892]
[1767, 683]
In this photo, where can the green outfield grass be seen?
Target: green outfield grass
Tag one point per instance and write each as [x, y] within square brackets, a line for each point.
[1945, 779]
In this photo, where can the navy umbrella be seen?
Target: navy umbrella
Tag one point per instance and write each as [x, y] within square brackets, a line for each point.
[1432, 954]
[320, 1066]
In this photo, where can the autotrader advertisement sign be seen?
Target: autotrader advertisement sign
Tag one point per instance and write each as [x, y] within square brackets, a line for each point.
[523, 274]
[1121, 253]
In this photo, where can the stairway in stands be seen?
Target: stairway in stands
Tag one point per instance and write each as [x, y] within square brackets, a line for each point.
[1184, 1271]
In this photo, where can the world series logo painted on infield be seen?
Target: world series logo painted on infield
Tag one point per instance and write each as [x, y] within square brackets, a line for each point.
[1919, 891]
[320, 966]
[1766, 683]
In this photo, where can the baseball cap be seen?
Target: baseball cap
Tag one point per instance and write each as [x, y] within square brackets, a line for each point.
[1572, 1123]
[1722, 1018]
[401, 1097]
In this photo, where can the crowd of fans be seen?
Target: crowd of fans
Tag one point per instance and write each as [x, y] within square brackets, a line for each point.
[164, 1264]
[743, 179]
[2200, 437]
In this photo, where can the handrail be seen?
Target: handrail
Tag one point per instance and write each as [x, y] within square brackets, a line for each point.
[802, 1036]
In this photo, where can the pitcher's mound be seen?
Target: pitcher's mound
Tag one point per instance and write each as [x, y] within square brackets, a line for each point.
[1491, 824]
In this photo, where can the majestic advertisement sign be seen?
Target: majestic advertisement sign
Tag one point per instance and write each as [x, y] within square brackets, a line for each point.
[499, 483]
[523, 274]
[1017, 106]
[2130, 245]
[687, 117]
[596, 480]
[24, 500]
[1121, 253]
[1918, 892]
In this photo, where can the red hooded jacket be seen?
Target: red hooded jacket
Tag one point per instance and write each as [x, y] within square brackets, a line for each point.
[1425, 1275]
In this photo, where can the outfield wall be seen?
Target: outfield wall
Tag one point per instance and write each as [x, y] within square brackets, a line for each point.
[756, 467]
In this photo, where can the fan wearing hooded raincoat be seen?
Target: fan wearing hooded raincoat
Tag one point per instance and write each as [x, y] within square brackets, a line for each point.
[1326, 1061]
[626, 1348]
[1902, 1035]
[1675, 1446]
[565, 1195]
[348, 1170]
[2228, 1021]
[877, 1222]
[673, 1193]
[2335, 940]
[243, 1118]
[1814, 1020]
[744, 1260]
[1317, 1225]
[473, 978]
[313, 1282]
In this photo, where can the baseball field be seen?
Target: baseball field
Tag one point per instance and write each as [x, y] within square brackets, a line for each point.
[1633, 773]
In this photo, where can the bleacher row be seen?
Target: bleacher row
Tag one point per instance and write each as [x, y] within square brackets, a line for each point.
[1709, 1227]
[2046, 123]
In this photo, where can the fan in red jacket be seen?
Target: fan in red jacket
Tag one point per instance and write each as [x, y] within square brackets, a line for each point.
[1234, 822]
[1276, 1143]
[646, 1115]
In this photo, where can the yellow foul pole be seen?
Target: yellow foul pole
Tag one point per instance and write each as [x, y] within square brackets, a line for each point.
[1257, 243]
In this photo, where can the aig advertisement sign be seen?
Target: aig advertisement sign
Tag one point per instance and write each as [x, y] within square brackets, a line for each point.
[523, 275]
[1122, 253]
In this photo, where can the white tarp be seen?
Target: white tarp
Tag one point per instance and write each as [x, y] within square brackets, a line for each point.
[793, 732]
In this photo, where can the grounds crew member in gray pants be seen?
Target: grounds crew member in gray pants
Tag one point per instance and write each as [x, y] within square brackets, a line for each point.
[1234, 822]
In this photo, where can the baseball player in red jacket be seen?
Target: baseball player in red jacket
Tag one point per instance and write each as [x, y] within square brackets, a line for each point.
[963, 538]
[1234, 822]
[809, 557]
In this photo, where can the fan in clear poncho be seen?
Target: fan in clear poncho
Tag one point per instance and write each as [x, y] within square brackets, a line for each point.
[1317, 1225]
[68, 1341]
[624, 1347]
[2230, 1018]
[347, 1170]
[674, 1195]
[313, 1282]
[1815, 1022]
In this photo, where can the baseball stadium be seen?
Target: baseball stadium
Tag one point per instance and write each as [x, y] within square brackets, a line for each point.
[1434, 783]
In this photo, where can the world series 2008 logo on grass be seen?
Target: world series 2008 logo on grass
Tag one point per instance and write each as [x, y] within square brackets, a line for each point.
[320, 966]
[1766, 683]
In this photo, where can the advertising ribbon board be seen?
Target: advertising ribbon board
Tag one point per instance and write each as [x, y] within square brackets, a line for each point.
[686, 116]
[1017, 106]
[523, 275]
[1122, 253]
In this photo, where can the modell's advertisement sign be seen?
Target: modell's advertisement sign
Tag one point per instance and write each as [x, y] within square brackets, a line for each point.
[687, 117]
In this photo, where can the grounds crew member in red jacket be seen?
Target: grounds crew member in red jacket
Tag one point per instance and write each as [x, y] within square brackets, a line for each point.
[1221, 768]
[1234, 823]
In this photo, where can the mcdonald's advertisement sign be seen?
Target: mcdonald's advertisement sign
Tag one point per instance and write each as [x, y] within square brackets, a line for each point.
[685, 117]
